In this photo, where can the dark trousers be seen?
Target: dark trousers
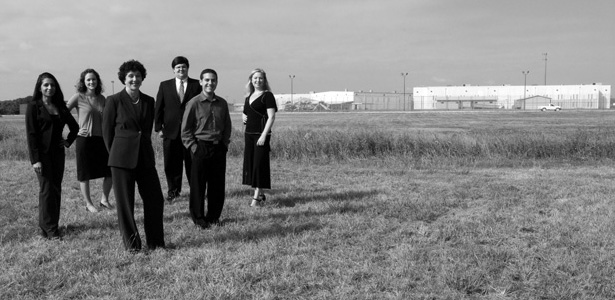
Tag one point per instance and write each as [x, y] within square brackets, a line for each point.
[50, 191]
[146, 177]
[175, 154]
[208, 176]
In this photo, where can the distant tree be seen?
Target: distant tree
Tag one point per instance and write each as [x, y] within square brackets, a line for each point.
[11, 107]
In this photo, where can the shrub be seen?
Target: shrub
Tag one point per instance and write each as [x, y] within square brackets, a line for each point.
[308, 144]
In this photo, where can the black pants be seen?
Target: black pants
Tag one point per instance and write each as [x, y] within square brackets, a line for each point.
[175, 154]
[50, 192]
[208, 176]
[146, 177]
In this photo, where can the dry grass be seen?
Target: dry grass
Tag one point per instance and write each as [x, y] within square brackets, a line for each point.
[379, 227]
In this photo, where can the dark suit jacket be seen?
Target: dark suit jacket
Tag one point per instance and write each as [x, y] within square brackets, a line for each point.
[169, 110]
[126, 131]
[39, 127]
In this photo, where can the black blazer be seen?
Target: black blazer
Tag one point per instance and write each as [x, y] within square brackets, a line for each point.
[169, 111]
[126, 131]
[39, 127]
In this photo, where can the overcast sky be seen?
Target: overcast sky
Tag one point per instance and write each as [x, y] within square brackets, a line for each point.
[329, 45]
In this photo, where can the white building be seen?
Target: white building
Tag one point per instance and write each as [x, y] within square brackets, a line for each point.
[590, 96]
[346, 100]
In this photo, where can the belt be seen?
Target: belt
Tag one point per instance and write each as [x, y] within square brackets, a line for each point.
[210, 142]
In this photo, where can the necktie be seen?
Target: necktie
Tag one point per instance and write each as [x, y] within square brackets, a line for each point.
[181, 91]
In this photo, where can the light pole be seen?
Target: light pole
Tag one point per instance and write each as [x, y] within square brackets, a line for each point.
[404, 76]
[524, 85]
[545, 54]
[112, 87]
[291, 88]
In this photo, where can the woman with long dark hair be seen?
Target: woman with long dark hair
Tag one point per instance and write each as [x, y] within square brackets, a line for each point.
[46, 117]
[258, 116]
[90, 147]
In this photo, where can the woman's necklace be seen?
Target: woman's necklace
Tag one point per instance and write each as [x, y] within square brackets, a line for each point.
[135, 101]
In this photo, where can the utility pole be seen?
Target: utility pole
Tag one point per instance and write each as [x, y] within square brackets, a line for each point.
[404, 75]
[291, 88]
[524, 86]
[545, 54]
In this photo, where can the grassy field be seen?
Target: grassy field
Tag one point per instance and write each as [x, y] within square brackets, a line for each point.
[481, 219]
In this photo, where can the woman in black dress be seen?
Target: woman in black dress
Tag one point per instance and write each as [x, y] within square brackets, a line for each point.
[258, 116]
[46, 116]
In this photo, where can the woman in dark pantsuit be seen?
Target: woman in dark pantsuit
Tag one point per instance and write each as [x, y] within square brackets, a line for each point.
[258, 116]
[128, 120]
[46, 117]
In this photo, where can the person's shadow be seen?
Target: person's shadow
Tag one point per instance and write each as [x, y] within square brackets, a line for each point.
[276, 223]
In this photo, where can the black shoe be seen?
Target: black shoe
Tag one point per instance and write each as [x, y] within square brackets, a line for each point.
[55, 235]
[258, 202]
[171, 196]
[202, 223]
[106, 205]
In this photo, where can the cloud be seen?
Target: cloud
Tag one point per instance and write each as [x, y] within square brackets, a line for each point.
[439, 79]
[25, 46]
[329, 45]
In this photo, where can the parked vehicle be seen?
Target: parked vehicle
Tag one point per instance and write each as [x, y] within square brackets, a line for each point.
[551, 106]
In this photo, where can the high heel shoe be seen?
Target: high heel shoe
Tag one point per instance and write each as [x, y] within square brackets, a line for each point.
[106, 205]
[91, 208]
[258, 202]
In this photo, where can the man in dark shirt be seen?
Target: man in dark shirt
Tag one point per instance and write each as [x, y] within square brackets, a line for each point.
[206, 132]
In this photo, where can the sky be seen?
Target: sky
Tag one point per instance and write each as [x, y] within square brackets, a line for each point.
[328, 45]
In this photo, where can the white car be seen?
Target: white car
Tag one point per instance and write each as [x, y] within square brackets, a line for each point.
[551, 106]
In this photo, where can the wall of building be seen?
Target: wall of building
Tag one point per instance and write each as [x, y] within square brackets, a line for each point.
[326, 97]
[590, 96]
[360, 100]
[381, 101]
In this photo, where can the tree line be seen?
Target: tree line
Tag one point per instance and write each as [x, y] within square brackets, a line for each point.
[11, 107]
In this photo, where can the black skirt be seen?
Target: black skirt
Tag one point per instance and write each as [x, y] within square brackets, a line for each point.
[256, 163]
[92, 157]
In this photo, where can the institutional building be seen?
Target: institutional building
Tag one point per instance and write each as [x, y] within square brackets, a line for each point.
[586, 96]
[589, 96]
[346, 100]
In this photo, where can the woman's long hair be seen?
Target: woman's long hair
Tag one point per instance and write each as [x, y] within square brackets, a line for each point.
[57, 99]
[250, 87]
[81, 88]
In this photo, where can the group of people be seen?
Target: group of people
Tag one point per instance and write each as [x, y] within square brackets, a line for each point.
[114, 141]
